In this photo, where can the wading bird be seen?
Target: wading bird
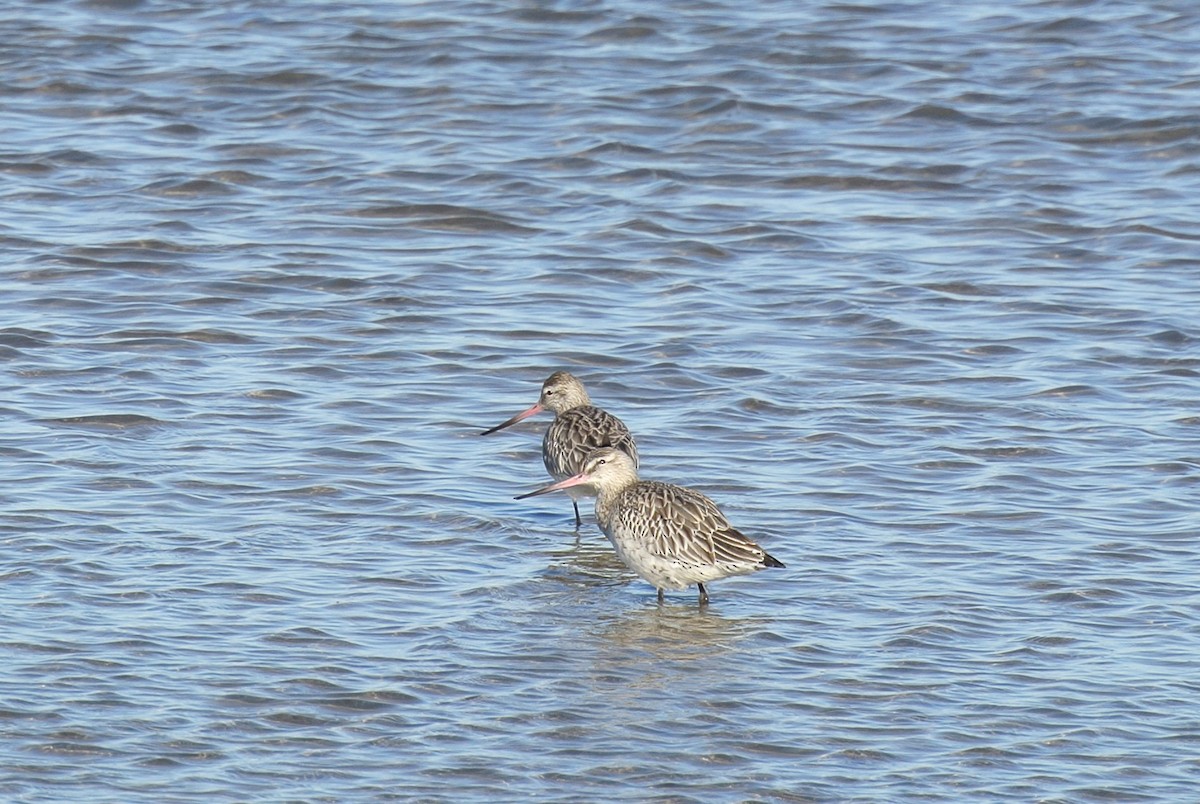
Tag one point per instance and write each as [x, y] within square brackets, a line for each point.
[669, 535]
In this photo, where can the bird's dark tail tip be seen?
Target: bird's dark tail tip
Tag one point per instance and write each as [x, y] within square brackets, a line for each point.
[770, 561]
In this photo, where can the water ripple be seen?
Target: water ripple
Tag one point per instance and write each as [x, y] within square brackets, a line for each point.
[908, 289]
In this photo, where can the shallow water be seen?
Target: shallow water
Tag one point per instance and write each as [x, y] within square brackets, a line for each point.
[908, 288]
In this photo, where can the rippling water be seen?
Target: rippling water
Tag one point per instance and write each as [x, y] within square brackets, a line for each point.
[910, 288]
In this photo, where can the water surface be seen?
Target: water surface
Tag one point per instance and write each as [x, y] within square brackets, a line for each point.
[908, 288]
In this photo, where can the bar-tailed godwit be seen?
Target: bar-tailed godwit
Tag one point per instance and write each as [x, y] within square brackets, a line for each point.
[578, 428]
[669, 535]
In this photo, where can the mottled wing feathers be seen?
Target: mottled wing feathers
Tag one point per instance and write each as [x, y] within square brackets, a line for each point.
[577, 432]
[682, 524]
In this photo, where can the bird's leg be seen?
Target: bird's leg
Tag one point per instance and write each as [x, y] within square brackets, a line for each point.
[578, 521]
[660, 597]
[703, 594]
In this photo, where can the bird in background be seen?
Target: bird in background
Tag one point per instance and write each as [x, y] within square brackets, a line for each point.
[579, 427]
[669, 535]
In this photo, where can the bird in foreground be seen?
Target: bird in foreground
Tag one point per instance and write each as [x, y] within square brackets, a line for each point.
[578, 428]
[669, 535]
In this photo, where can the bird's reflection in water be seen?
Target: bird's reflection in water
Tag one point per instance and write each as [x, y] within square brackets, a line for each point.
[630, 642]
[672, 632]
[588, 562]
[646, 655]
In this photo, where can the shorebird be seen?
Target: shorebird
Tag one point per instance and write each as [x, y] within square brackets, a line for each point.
[669, 535]
[578, 428]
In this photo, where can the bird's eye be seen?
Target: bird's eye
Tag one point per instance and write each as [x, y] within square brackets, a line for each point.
[549, 392]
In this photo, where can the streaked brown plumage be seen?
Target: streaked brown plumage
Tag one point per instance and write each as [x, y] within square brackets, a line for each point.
[579, 427]
[669, 535]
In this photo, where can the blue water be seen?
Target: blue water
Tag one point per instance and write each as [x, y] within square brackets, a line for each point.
[908, 288]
